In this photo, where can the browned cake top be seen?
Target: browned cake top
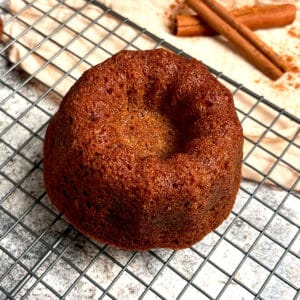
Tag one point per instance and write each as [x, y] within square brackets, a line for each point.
[153, 105]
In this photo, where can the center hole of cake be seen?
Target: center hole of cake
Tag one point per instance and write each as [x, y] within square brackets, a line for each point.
[150, 133]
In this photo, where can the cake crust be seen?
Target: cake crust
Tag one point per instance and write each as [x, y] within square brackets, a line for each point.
[145, 152]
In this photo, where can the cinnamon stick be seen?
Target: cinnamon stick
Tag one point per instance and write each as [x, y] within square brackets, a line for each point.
[256, 17]
[254, 49]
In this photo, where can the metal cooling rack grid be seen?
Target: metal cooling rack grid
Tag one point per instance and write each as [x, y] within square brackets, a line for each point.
[44, 257]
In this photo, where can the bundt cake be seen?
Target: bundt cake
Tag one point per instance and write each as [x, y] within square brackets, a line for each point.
[145, 152]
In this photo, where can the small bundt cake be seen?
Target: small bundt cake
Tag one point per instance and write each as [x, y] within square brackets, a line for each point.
[145, 152]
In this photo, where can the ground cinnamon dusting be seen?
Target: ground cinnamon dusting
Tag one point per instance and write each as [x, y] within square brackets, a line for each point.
[294, 32]
[176, 8]
[289, 82]
[291, 79]
[295, 69]
[289, 58]
[279, 86]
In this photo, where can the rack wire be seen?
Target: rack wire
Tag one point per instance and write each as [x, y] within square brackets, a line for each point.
[254, 254]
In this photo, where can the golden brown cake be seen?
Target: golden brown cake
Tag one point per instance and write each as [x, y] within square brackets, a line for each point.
[145, 152]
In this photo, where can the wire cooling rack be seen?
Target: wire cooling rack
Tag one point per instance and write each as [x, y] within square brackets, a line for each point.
[255, 253]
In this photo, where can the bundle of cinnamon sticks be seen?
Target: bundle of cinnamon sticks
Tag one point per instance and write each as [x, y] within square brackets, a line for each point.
[230, 25]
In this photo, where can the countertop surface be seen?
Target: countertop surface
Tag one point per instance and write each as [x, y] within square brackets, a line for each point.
[256, 250]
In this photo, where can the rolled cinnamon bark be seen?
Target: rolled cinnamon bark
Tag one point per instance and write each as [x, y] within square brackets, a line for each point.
[256, 17]
[253, 48]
